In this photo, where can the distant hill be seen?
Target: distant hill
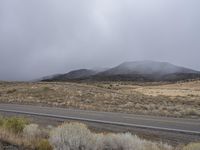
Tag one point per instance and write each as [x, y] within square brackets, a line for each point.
[147, 67]
[72, 75]
[131, 71]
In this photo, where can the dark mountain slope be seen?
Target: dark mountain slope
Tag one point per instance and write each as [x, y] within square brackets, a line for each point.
[76, 74]
[147, 67]
[132, 71]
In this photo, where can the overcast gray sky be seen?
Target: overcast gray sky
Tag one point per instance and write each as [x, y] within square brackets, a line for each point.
[42, 37]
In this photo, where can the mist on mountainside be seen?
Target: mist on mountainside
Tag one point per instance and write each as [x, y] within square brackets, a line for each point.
[132, 71]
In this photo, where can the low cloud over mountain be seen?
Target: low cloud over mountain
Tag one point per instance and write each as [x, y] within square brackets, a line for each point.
[131, 71]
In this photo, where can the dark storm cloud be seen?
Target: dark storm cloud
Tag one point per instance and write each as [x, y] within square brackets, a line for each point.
[42, 37]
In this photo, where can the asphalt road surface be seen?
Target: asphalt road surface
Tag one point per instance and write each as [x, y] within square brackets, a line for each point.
[187, 126]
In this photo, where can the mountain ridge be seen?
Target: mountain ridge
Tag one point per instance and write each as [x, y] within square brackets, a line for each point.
[132, 71]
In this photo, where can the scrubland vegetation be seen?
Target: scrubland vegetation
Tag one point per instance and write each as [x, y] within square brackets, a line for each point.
[192, 146]
[74, 136]
[77, 136]
[20, 132]
[165, 99]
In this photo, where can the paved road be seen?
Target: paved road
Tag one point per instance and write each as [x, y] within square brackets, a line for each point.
[188, 126]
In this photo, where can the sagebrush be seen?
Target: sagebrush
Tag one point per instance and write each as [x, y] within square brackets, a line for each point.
[76, 136]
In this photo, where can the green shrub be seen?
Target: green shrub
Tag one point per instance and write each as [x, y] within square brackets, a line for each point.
[1, 121]
[11, 91]
[15, 124]
[44, 145]
[192, 146]
[46, 89]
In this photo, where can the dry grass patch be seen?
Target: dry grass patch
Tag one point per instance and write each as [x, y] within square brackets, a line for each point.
[177, 100]
[17, 131]
[192, 146]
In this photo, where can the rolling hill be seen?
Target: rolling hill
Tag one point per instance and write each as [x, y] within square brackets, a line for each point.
[131, 71]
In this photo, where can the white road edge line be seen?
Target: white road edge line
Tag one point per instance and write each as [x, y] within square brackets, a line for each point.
[180, 122]
[101, 121]
[115, 113]
[86, 113]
